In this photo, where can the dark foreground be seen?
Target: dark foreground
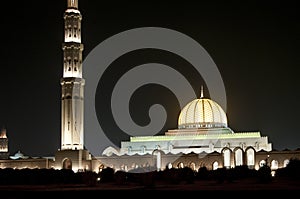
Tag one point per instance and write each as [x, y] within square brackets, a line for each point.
[248, 187]
[239, 181]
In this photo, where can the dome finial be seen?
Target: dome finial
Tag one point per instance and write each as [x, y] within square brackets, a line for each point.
[201, 94]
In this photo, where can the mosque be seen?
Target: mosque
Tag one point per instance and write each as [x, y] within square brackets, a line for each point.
[203, 137]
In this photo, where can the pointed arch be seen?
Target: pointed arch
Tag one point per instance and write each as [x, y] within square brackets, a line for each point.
[67, 163]
[238, 156]
[226, 152]
[250, 157]
[215, 165]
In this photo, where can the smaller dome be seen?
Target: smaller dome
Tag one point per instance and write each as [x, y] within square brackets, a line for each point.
[19, 154]
[202, 113]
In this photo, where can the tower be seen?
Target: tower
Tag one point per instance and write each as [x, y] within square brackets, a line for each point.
[3, 144]
[72, 82]
[72, 154]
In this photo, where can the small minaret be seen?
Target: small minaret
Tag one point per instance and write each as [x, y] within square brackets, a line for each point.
[3, 144]
[72, 82]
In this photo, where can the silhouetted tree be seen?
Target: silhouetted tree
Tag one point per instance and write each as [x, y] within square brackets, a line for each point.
[264, 174]
[121, 177]
[107, 175]
[187, 175]
[89, 178]
[203, 174]
[220, 174]
[291, 171]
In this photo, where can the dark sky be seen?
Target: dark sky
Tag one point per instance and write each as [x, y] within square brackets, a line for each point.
[255, 46]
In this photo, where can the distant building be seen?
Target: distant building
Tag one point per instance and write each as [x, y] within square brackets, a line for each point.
[202, 138]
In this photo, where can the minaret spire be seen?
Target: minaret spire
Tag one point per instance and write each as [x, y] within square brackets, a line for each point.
[72, 46]
[72, 82]
[201, 94]
[73, 4]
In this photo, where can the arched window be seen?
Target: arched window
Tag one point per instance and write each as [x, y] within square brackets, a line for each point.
[250, 157]
[238, 157]
[69, 61]
[226, 154]
[262, 163]
[274, 164]
[67, 163]
[75, 61]
[215, 165]
[75, 31]
[133, 166]
[70, 30]
[180, 165]
[193, 166]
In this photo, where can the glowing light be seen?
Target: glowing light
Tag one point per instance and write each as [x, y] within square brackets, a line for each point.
[72, 39]
[71, 10]
[286, 162]
[3, 133]
[215, 165]
[273, 173]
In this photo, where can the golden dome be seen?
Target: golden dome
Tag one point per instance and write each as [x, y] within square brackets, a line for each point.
[202, 113]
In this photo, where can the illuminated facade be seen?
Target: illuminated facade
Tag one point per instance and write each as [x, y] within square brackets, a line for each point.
[202, 138]
[202, 129]
[72, 82]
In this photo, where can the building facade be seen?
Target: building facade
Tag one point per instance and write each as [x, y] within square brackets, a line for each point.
[203, 137]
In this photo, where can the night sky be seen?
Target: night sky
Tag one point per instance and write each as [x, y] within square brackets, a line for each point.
[255, 46]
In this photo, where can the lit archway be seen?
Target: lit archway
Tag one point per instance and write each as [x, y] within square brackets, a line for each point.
[215, 165]
[180, 165]
[286, 162]
[193, 166]
[169, 165]
[67, 163]
[157, 159]
[274, 164]
[262, 163]
[101, 167]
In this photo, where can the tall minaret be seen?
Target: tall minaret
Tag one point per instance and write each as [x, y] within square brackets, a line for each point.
[72, 82]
